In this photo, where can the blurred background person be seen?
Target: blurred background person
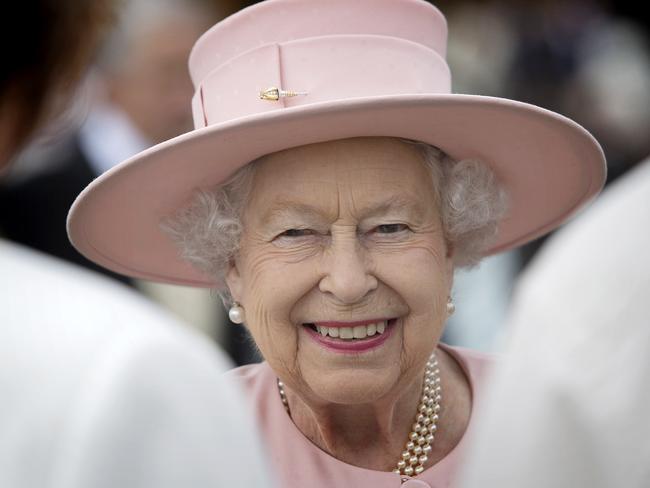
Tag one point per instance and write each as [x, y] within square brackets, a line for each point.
[137, 95]
[99, 387]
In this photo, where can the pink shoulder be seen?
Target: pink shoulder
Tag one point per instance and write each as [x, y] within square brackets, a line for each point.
[476, 364]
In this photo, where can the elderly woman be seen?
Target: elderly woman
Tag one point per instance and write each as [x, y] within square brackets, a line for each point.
[331, 188]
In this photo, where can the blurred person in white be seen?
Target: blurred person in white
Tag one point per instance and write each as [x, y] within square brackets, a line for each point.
[136, 97]
[99, 388]
[576, 377]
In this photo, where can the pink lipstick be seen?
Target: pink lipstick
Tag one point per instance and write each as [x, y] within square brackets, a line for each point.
[351, 346]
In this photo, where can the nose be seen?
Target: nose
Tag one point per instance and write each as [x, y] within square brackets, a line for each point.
[347, 275]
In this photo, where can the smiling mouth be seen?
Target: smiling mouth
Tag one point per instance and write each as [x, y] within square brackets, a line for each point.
[355, 333]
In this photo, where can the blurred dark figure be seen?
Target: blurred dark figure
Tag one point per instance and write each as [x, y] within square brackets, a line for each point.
[140, 96]
[37, 75]
[583, 60]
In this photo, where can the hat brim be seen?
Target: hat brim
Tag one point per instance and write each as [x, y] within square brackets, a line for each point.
[550, 166]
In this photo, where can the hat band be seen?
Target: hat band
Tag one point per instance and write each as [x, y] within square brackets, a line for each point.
[327, 68]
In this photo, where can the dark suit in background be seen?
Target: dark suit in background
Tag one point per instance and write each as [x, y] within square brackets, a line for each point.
[33, 211]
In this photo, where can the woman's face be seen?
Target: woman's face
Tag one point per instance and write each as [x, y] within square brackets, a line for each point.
[343, 234]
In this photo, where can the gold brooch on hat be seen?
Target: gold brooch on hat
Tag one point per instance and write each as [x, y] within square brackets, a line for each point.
[274, 93]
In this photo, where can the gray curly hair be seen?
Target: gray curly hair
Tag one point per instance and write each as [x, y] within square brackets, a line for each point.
[471, 199]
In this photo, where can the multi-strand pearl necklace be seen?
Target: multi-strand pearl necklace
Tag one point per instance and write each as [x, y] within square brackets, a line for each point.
[418, 447]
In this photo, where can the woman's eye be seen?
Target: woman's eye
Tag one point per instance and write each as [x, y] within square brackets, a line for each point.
[391, 228]
[297, 233]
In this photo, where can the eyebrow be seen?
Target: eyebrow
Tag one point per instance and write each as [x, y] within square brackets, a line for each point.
[284, 208]
[395, 202]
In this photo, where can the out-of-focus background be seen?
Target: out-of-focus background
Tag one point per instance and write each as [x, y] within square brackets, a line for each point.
[586, 59]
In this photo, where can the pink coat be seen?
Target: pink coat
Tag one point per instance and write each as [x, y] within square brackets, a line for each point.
[300, 463]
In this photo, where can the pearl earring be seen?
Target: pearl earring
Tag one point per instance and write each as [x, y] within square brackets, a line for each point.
[236, 313]
[451, 308]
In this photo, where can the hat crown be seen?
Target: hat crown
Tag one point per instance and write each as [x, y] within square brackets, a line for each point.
[279, 21]
[260, 59]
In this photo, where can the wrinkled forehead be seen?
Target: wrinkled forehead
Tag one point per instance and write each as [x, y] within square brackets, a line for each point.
[359, 160]
[364, 171]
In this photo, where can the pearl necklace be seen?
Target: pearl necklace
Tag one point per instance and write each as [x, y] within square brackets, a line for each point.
[418, 447]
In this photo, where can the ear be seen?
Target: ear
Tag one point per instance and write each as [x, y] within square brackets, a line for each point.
[234, 281]
[450, 249]
[450, 264]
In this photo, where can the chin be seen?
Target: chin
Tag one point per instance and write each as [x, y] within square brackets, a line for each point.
[352, 387]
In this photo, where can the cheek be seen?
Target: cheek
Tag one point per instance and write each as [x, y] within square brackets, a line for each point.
[420, 275]
[275, 283]
[419, 271]
[271, 288]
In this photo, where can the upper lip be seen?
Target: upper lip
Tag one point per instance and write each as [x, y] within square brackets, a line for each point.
[333, 323]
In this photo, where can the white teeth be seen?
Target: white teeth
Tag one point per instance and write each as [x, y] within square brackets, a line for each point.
[346, 333]
[358, 332]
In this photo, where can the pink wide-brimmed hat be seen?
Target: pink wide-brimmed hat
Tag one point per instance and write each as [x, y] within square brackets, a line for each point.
[356, 68]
